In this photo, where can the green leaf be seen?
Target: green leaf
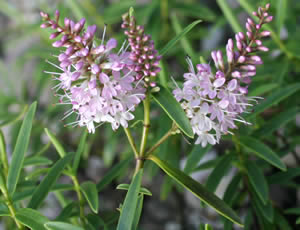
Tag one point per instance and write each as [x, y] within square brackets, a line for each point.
[56, 143]
[185, 43]
[31, 219]
[138, 212]
[265, 210]
[37, 160]
[218, 172]
[198, 190]
[4, 210]
[281, 221]
[230, 16]
[277, 121]
[79, 151]
[262, 151]
[258, 181]
[173, 109]
[194, 158]
[281, 12]
[259, 90]
[67, 211]
[90, 192]
[55, 225]
[197, 10]
[130, 203]
[3, 153]
[20, 150]
[208, 227]
[142, 190]
[276, 97]
[294, 211]
[45, 186]
[113, 173]
[171, 43]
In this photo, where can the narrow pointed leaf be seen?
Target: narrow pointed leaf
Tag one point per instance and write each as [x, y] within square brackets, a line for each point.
[198, 190]
[174, 110]
[37, 160]
[258, 181]
[129, 207]
[277, 121]
[20, 150]
[194, 158]
[171, 43]
[274, 98]
[59, 148]
[230, 16]
[113, 173]
[261, 150]
[45, 186]
[142, 190]
[54, 225]
[79, 151]
[219, 172]
[138, 212]
[31, 219]
[90, 192]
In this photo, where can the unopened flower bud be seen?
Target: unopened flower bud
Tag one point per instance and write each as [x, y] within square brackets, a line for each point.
[265, 33]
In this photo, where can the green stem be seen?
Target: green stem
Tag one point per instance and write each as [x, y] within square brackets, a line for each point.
[146, 125]
[10, 206]
[161, 140]
[3, 155]
[80, 198]
[131, 142]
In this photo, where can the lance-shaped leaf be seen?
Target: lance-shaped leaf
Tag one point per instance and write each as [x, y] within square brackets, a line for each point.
[89, 190]
[274, 98]
[31, 219]
[219, 172]
[45, 186]
[174, 110]
[131, 200]
[262, 151]
[142, 190]
[55, 225]
[20, 150]
[56, 143]
[258, 181]
[198, 190]
[113, 173]
[171, 43]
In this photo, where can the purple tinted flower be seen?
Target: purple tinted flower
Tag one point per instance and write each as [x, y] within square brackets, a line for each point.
[98, 83]
[214, 102]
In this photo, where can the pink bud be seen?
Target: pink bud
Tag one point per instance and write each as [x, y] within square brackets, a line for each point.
[249, 34]
[268, 6]
[265, 33]
[241, 59]
[236, 74]
[241, 35]
[54, 35]
[263, 48]
[78, 39]
[75, 76]
[268, 19]
[258, 42]
[258, 26]
[56, 15]
[45, 25]
[67, 22]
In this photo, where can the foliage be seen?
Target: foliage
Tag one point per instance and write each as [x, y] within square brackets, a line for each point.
[41, 157]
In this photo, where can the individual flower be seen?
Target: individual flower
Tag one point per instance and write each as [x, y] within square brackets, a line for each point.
[214, 102]
[99, 83]
[143, 53]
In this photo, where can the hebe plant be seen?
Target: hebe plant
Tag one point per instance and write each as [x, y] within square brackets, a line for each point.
[100, 84]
